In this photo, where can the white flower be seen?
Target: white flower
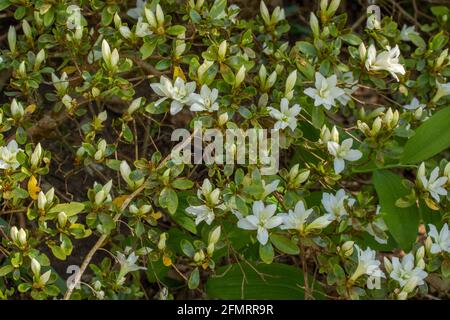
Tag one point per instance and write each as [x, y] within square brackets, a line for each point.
[414, 105]
[261, 220]
[407, 31]
[127, 265]
[269, 188]
[405, 270]
[326, 92]
[342, 152]
[138, 10]
[8, 156]
[387, 60]
[179, 92]
[297, 219]
[441, 241]
[434, 185]
[142, 28]
[205, 101]
[286, 116]
[443, 89]
[334, 204]
[211, 199]
[201, 213]
[367, 264]
[379, 225]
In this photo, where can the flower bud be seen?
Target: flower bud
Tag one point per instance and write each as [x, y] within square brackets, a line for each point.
[159, 16]
[387, 265]
[42, 201]
[35, 267]
[117, 21]
[100, 197]
[162, 241]
[199, 256]
[50, 195]
[314, 24]
[271, 81]
[26, 29]
[347, 248]
[62, 219]
[12, 39]
[376, 126]
[362, 51]
[441, 58]
[14, 233]
[363, 127]
[150, 16]
[222, 50]
[325, 134]
[36, 156]
[22, 237]
[290, 83]
[334, 5]
[17, 110]
[215, 235]
[420, 253]
[210, 249]
[428, 244]
[334, 134]
[22, 70]
[264, 13]
[223, 118]
[40, 57]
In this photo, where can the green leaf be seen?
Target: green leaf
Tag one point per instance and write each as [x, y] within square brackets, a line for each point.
[258, 281]
[318, 117]
[194, 279]
[403, 223]
[176, 30]
[147, 49]
[169, 199]
[266, 253]
[187, 248]
[70, 209]
[217, 8]
[4, 4]
[182, 184]
[163, 65]
[352, 39]
[58, 252]
[431, 138]
[284, 244]
[5, 270]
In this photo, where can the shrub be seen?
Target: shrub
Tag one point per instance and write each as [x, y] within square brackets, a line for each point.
[94, 189]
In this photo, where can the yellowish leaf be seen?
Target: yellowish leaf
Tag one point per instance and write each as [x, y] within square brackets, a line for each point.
[167, 261]
[156, 215]
[178, 72]
[33, 188]
[120, 200]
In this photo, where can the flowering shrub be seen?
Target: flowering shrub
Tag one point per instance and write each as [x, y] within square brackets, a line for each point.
[93, 191]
